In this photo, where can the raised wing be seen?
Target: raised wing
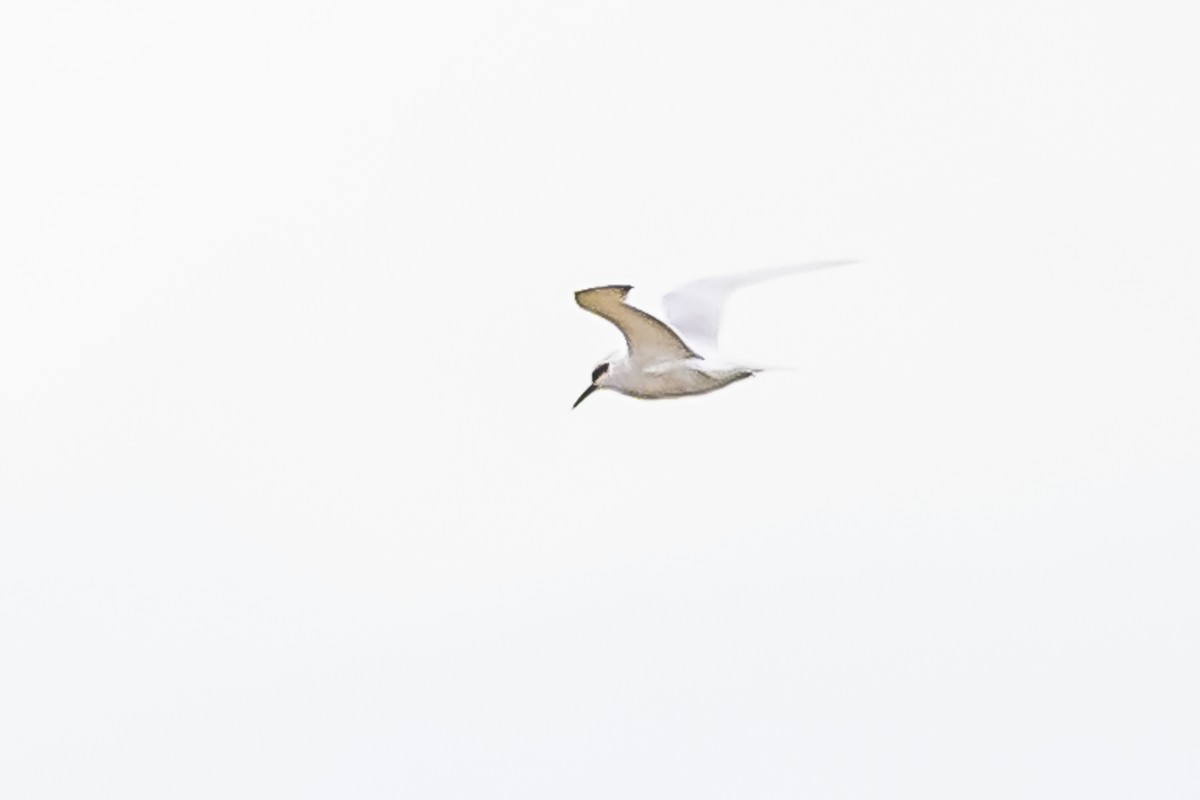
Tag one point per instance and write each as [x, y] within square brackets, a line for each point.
[647, 338]
[695, 309]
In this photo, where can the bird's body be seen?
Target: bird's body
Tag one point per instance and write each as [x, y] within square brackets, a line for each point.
[661, 360]
[653, 380]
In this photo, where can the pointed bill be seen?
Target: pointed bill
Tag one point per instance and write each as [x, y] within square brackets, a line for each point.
[583, 396]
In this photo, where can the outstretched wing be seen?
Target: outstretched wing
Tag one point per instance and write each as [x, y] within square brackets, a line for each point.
[694, 309]
[647, 338]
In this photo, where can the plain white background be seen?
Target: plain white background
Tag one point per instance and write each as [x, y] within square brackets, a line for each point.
[292, 502]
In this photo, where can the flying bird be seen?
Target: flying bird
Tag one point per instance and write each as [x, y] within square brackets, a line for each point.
[677, 357]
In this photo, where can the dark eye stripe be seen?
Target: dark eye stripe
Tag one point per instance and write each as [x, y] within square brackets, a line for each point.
[598, 371]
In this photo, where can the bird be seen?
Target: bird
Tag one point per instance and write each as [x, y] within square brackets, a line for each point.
[678, 357]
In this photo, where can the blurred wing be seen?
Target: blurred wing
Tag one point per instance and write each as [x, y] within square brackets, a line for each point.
[647, 338]
[695, 309]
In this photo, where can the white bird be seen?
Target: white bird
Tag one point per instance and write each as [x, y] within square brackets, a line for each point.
[664, 360]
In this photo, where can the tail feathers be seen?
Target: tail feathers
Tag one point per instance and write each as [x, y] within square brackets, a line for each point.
[756, 368]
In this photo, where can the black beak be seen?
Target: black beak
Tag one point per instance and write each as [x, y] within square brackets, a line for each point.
[586, 392]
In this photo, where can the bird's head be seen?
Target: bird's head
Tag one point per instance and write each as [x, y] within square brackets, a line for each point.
[599, 378]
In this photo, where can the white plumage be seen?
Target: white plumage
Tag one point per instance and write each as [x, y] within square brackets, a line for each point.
[679, 358]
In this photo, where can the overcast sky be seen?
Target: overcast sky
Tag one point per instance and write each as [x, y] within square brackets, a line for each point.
[293, 503]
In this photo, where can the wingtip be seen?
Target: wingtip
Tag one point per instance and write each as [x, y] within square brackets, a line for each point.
[622, 288]
[618, 286]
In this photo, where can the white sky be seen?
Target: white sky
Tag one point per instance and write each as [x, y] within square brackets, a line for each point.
[293, 504]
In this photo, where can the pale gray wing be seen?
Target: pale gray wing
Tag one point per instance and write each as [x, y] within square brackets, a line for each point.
[694, 309]
[647, 338]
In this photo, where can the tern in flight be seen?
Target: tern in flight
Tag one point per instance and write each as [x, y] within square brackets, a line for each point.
[676, 359]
